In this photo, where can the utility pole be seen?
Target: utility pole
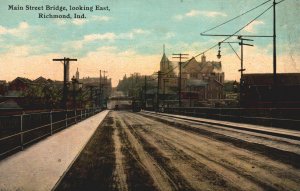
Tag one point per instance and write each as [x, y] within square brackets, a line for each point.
[274, 44]
[132, 85]
[100, 88]
[91, 94]
[145, 92]
[164, 90]
[241, 43]
[274, 89]
[180, 56]
[190, 88]
[104, 91]
[159, 73]
[242, 52]
[66, 62]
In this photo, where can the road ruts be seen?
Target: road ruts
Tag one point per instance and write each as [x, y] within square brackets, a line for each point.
[113, 160]
[224, 165]
[286, 150]
[135, 173]
[164, 173]
[93, 169]
[132, 152]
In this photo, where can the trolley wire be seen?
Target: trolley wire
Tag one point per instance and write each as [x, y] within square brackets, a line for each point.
[236, 17]
[210, 48]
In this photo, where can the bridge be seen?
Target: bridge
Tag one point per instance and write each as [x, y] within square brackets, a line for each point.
[122, 150]
[120, 102]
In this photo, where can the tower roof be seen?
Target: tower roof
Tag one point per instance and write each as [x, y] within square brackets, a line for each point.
[164, 59]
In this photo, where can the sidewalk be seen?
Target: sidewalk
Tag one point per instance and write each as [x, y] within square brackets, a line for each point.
[295, 134]
[40, 166]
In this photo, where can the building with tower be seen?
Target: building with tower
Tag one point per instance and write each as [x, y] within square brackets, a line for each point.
[168, 80]
[201, 82]
[77, 75]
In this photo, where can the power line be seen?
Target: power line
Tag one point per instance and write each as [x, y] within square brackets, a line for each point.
[247, 24]
[236, 17]
[66, 63]
[229, 36]
[180, 56]
[234, 51]
[280, 1]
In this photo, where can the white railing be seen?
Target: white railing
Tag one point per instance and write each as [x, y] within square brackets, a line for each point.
[18, 131]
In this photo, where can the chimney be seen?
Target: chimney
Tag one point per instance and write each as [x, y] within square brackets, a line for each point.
[203, 58]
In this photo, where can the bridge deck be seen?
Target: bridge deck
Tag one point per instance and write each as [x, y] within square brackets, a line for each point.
[40, 166]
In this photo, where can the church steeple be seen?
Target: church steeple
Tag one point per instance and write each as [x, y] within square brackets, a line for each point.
[77, 74]
[164, 63]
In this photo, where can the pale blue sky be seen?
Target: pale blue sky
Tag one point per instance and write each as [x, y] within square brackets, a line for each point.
[139, 28]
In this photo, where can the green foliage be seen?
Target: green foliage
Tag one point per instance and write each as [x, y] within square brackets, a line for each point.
[135, 84]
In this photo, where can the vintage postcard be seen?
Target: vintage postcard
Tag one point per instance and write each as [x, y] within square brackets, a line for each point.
[149, 95]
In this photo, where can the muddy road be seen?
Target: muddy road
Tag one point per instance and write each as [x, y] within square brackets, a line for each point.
[132, 151]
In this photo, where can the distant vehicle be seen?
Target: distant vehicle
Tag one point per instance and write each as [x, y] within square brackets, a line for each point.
[136, 106]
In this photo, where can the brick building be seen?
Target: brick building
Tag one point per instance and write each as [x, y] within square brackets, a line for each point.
[258, 90]
[200, 81]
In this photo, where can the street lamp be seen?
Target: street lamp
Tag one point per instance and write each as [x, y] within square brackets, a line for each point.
[219, 51]
[241, 43]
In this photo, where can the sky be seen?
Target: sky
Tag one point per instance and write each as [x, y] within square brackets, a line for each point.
[129, 37]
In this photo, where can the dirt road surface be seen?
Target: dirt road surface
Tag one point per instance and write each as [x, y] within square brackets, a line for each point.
[132, 151]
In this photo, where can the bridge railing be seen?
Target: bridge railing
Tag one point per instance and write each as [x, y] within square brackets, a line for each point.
[275, 117]
[19, 131]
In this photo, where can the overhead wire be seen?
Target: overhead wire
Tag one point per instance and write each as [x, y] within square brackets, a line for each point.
[233, 33]
[280, 1]
[234, 51]
[236, 17]
[189, 60]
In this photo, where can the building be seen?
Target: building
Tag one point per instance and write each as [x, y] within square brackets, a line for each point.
[77, 75]
[42, 80]
[168, 80]
[258, 90]
[96, 85]
[3, 87]
[202, 81]
[18, 86]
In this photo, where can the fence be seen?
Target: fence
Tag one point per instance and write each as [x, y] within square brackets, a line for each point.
[18, 131]
[275, 117]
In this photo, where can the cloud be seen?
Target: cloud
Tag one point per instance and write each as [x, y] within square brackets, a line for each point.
[20, 51]
[131, 34]
[19, 62]
[251, 27]
[170, 35]
[60, 22]
[196, 13]
[107, 49]
[107, 37]
[23, 50]
[79, 21]
[23, 26]
[100, 18]
[117, 63]
[93, 18]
